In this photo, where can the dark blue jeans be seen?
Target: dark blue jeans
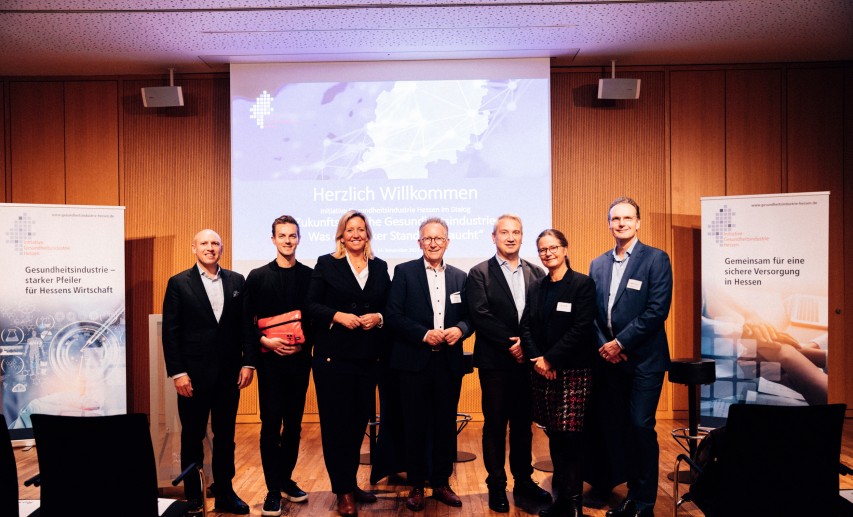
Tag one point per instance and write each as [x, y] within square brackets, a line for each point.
[639, 393]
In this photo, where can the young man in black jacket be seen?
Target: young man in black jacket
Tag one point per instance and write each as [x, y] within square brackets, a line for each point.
[284, 363]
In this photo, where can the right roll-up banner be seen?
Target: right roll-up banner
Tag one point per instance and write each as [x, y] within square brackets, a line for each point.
[765, 281]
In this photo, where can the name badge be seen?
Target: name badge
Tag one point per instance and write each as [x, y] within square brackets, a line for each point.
[634, 284]
[564, 307]
[456, 297]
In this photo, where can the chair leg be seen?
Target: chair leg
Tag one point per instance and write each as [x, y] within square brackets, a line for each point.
[462, 420]
[203, 490]
[676, 500]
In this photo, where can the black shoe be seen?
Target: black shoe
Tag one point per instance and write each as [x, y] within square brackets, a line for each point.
[597, 497]
[564, 507]
[272, 504]
[230, 503]
[364, 497]
[498, 501]
[195, 506]
[628, 508]
[648, 511]
[293, 493]
[530, 491]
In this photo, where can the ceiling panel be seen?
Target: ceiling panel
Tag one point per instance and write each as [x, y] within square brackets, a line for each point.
[132, 37]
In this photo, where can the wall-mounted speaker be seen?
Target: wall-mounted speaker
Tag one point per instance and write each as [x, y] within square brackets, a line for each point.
[162, 96]
[618, 88]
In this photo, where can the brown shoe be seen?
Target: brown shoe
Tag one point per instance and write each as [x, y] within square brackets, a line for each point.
[445, 495]
[346, 505]
[415, 502]
[363, 497]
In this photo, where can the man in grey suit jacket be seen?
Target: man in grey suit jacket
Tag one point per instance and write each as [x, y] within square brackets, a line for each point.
[427, 314]
[633, 293]
[497, 293]
[202, 347]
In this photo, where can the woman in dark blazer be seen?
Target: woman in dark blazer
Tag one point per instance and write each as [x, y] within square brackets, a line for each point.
[346, 298]
[558, 337]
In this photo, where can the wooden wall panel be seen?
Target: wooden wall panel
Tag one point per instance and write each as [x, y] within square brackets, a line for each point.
[177, 179]
[174, 173]
[4, 166]
[698, 154]
[753, 132]
[815, 155]
[37, 131]
[698, 138]
[250, 404]
[841, 361]
[603, 149]
[91, 143]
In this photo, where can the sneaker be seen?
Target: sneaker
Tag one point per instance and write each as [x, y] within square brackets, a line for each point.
[293, 493]
[272, 504]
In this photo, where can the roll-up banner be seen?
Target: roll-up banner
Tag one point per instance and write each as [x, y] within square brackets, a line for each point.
[62, 312]
[764, 300]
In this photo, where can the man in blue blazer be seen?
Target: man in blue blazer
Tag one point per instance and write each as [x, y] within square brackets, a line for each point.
[428, 316]
[633, 293]
[202, 348]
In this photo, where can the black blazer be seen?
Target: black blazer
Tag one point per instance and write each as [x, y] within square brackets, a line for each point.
[193, 341]
[410, 316]
[263, 297]
[333, 288]
[493, 313]
[563, 332]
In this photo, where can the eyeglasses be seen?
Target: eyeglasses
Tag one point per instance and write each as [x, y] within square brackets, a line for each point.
[550, 249]
[429, 240]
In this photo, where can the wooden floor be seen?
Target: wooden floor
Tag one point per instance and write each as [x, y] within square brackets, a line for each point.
[467, 481]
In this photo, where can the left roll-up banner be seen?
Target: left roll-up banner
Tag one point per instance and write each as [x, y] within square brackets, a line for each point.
[62, 312]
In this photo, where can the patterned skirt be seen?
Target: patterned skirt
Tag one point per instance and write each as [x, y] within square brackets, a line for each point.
[560, 405]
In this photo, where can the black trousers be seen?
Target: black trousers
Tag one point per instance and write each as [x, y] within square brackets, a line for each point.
[430, 398]
[506, 400]
[566, 448]
[219, 404]
[346, 397]
[282, 385]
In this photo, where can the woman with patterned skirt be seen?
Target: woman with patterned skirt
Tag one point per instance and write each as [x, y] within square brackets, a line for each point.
[558, 338]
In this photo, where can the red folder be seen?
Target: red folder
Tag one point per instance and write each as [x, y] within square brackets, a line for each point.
[287, 326]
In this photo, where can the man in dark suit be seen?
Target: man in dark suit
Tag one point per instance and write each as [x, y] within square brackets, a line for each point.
[633, 293]
[497, 293]
[202, 315]
[284, 364]
[427, 314]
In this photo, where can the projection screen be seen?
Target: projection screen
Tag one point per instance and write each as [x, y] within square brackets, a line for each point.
[463, 140]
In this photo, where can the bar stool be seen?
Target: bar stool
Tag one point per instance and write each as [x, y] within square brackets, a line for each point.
[462, 419]
[371, 433]
[691, 372]
[543, 464]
